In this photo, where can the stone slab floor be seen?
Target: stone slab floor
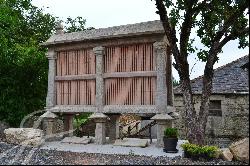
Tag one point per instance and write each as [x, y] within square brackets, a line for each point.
[150, 150]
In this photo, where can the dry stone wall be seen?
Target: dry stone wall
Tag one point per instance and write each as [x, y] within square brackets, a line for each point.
[221, 130]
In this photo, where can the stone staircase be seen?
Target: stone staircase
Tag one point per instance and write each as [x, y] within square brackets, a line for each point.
[137, 134]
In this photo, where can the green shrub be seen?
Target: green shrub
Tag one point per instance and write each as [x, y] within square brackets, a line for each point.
[171, 133]
[196, 151]
[78, 121]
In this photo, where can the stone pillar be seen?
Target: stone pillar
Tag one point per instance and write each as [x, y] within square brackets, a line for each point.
[114, 127]
[99, 53]
[68, 124]
[49, 119]
[50, 99]
[163, 121]
[100, 131]
[161, 87]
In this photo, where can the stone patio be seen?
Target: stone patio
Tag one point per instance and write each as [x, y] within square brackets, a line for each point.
[150, 150]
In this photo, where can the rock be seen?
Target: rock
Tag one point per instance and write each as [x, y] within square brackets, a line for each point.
[24, 136]
[3, 126]
[218, 154]
[240, 150]
[132, 142]
[77, 140]
[226, 154]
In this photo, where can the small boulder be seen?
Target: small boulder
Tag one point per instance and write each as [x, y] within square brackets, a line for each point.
[240, 150]
[24, 136]
[226, 154]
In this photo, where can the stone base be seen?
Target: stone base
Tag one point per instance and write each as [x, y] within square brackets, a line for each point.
[132, 142]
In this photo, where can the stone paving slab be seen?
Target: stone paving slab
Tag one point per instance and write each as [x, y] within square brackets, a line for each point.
[151, 150]
[131, 142]
[77, 140]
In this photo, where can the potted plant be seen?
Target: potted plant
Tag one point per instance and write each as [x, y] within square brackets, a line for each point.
[170, 140]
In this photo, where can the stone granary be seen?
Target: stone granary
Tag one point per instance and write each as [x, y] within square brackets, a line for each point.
[229, 103]
[109, 72]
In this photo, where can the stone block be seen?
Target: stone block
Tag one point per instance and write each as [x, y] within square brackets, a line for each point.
[226, 154]
[77, 140]
[240, 150]
[132, 142]
[24, 136]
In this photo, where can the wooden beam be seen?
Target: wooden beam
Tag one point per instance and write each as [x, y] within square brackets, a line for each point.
[130, 74]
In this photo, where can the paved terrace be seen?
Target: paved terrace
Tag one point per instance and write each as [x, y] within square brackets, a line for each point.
[150, 150]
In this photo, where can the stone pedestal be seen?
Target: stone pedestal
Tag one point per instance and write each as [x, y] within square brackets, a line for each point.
[48, 121]
[68, 124]
[163, 121]
[114, 127]
[100, 131]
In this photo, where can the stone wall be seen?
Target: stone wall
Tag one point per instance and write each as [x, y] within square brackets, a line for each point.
[221, 130]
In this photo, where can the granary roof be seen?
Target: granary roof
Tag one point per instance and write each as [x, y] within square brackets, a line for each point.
[150, 27]
[228, 79]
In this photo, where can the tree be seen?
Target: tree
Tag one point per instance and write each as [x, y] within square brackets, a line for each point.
[175, 82]
[216, 23]
[23, 64]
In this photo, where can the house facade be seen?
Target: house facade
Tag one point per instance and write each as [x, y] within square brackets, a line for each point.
[229, 103]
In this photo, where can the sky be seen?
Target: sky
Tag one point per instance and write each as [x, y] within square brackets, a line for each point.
[108, 13]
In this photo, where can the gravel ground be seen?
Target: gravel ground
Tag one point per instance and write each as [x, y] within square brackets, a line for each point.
[49, 157]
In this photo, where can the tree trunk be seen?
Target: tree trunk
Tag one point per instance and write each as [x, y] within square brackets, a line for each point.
[194, 130]
[206, 93]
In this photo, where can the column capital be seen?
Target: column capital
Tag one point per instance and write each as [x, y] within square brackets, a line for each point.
[49, 115]
[160, 45]
[99, 117]
[99, 50]
[51, 55]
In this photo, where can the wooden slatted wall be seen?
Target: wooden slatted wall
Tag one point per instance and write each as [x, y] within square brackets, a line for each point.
[135, 90]
[129, 58]
[130, 91]
[79, 92]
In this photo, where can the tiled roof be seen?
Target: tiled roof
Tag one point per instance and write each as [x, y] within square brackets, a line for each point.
[149, 27]
[230, 78]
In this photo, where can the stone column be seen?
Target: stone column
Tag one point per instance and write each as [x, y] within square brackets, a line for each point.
[68, 124]
[99, 53]
[114, 127]
[161, 88]
[100, 131]
[163, 121]
[99, 118]
[50, 99]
